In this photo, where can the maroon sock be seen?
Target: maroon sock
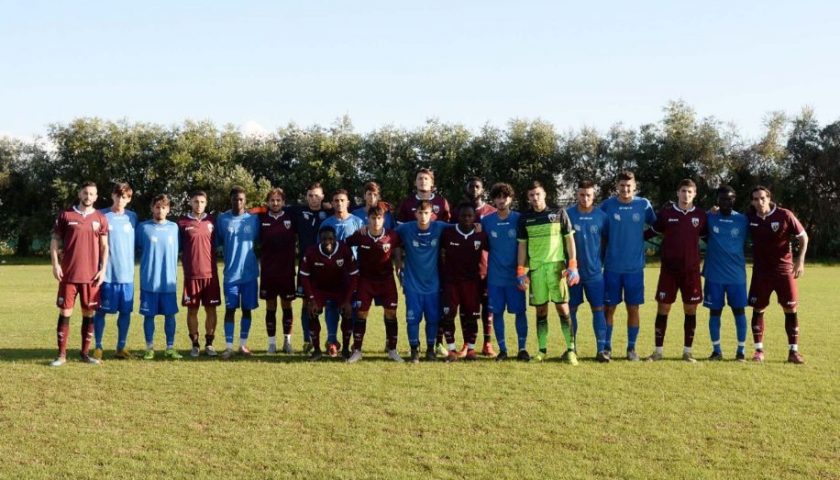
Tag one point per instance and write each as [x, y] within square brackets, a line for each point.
[87, 335]
[758, 327]
[661, 326]
[288, 321]
[315, 332]
[448, 327]
[440, 333]
[689, 326]
[346, 330]
[487, 319]
[271, 323]
[391, 331]
[62, 331]
[208, 340]
[194, 340]
[469, 325]
[792, 328]
[359, 327]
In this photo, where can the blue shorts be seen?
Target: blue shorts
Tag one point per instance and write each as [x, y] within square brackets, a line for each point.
[631, 284]
[500, 296]
[422, 305]
[594, 290]
[158, 303]
[714, 293]
[116, 297]
[242, 295]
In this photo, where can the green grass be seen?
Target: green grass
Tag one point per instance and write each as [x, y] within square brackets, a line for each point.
[282, 417]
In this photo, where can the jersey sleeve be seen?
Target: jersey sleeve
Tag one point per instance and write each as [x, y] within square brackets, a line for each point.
[521, 231]
[103, 226]
[217, 232]
[445, 213]
[566, 228]
[794, 224]
[60, 225]
[650, 215]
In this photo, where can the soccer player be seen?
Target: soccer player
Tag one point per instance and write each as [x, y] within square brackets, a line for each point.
[277, 267]
[502, 289]
[547, 248]
[771, 229]
[376, 248]
[329, 276]
[419, 276]
[82, 232]
[681, 225]
[201, 276]
[461, 250]
[624, 259]
[424, 183]
[157, 241]
[590, 226]
[373, 198]
[725, 270]
[117, 292]
[237, 231]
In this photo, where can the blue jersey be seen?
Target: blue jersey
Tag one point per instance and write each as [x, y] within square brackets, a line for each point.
[590, 228]
[421, 256]
[504, 248]
[343, 228]
[389, 223]
[725, 262]
[625, 234]
[120, 268]
[237, 235]
[158, 246]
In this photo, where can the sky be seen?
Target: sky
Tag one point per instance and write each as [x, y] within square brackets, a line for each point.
[260, 64]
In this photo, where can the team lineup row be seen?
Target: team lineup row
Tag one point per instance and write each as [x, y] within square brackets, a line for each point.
[476, 268]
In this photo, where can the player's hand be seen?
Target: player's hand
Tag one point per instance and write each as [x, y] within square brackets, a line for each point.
[58, 273]
[714, 209]
[314, 308]
[522, 278]
[99, 278]
[401, 276]
[346, 309]
[477, 227]
[798, 269]
[572, 276]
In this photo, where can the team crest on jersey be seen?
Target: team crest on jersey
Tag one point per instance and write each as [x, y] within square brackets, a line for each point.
[477, 244]
[494, 234]
[415, 243]
[340, 262]
[735, 232]
[577, 227]
[446, 310]
[511, 233]
[210, 227]
[662, 295]
[715, 229]
[247, 229]
[322, 215]
[435, 209]
[154, 239]
[386, 247]
[287, 224]
[695, 222]
[434, 242]
[774, 226]
[617, 217]
[96, 225]
[127, 228]
[552, 217]
[637, 217]
[593, 229]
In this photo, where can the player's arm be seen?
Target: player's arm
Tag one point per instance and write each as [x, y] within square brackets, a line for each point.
[103, 259]
[55, 245]
[522, 255]
[568, 233]
[799, 266]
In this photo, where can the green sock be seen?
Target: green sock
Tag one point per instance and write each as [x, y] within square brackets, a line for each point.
[542, 333]
[566, 326]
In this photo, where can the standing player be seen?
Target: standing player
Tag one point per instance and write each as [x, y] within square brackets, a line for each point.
[375, 249]
[725, 270]
[461, 250]
[117, 293]
[237, 231]
[373, 198]
[329, 276]
[624, 259]
[681, 225]
[424, 183]
[82, 232]
[547, 247]
[771, 230]
[157, 241]
[277, 267]
[590, 226]
[502, 289]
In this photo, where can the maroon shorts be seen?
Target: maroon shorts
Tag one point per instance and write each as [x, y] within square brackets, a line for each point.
[688, 283]
[762, 285]
[284, 287]
[383, 292]
[201, 291]
[322, 297]
[463, 295]
[88, 295]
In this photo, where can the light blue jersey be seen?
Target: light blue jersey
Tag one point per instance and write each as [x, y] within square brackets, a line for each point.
[590, 228]
[626, 225]
[343, 228]
[237, 235]
[421, 256]
[158, 246]
[501, 261]
[120, 268]
[725, 263]
[389, 222]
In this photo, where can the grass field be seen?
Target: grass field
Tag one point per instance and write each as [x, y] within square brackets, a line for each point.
[282, 417]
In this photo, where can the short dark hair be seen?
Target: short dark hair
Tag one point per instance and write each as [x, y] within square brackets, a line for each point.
[314, 185]
[626, 175]
[424, 204]
[725, 189]
[161, 198]
[372, 187]
[586, 184]
[759, 188]
[535, 184]
[326, 228]
[501, 190]
[87, 184]
[275, 191]
[198, 193]
[341, 191]
[687, 182]
[236, 190]
[463, 205]
[379, 210]
[122, 188]
[475, 179]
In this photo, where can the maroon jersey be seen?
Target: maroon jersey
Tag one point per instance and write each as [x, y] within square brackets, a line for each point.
[440, 208]
[374, 253]
[461, 254]
[681, 231]
[330, 274]
[277, 245]
[771, 240]
[197, 243]
[80, 233]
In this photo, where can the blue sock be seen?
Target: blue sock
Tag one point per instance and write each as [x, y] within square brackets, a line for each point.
[599, 326]
[169, 328]
[304, 324]
[521, 330]
[714, 332]
[123, 321]
[98, 327]
[413, 332]
[245, 328]
[149, 329]
[741, 330]
[499, 330]
[431, 332]
[632, 334]
[229, 327]
[608, 337]
[331, 317]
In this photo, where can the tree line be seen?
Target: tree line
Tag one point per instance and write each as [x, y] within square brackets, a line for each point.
[798, 158]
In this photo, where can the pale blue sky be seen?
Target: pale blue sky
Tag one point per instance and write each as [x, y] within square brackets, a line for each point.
[389, 62]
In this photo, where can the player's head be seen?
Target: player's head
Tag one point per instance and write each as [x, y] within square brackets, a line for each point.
[626, 186]
[424, 180]
[237, 199]
[372, 193]
[761, 198]
[502, 195]
[686, 191]
[326, 238]
[340, 201]
[314, 196]
[474, 188]
[275, 199]
[423, 213]
[466, 216]
[725, 199]
[121, 194]
[198, 202]
[536, 195]
[585, 194]
[87, 194]
[160, 207]
[376, 218]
